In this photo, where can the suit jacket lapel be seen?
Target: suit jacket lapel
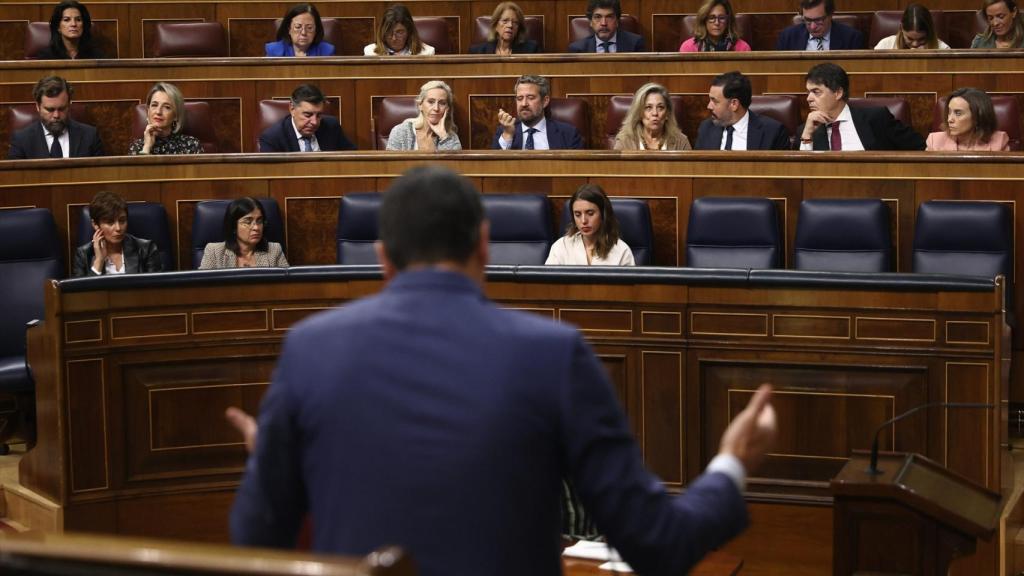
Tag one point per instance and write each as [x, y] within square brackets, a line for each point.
[555, 141]
[754, 132]
[864, 132]
[74, 141]
[288, 132]
[517, 138]
[130, 255]
[39, 141]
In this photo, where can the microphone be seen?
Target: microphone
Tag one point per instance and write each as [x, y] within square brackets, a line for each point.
[873, 467]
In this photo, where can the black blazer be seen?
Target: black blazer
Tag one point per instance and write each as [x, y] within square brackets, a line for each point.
[280, 137]
[763, 133]
[561, 136]
[30, 142]
[841, 37]
[877, 128]
[140, 256]
[525, 47]
[625, 41]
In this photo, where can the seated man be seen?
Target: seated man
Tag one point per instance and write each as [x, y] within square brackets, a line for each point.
[604, 18]
[732, 126]
[530, 129]
[306, 128]
[818, 31]
[834, 125]
[56, 135]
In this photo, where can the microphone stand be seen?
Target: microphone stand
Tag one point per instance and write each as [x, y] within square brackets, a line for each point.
[873, 466]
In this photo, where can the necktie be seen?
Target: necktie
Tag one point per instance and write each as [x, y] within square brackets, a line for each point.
[606, 46]
[307, 144]
[821, 43]
[837, 138]
[55, 150]
[728, 137]
[529, 138]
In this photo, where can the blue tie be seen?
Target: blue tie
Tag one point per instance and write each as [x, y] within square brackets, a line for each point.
[529, 138]
[55, 150]
[307, 144]
[728, 137]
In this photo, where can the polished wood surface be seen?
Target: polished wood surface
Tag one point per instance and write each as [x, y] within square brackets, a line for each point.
[714, 564]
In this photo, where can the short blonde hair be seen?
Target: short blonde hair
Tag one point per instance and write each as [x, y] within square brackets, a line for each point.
[176, 98]
[449, 122]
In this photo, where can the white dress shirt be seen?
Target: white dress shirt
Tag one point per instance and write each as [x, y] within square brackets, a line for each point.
[312, 140]
[847, 131]
[739, 133]
[540, 137]
[64, 139]
[612, 48]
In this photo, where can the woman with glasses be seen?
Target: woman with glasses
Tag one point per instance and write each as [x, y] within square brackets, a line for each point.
[433, 129]
[301, 33]
[916, 32]
[508, 33]
[715, 30]
[397, 36]
[244, 245]
[1005, 26]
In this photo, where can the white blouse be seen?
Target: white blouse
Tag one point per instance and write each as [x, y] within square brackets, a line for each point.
[570, 251]
[371, 50]
[889, 43]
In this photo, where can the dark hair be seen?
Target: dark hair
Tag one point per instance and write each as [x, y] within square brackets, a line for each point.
[430, 215]
[235, 212]
[286, 23]
[307, 93]
[917, 18]
[830, 6]
[106, 206]
[982, 112]
[86, 49]
[735, 85]
[51, 87]
[398, 14]
[831, 76]
[521, 34]
[614, 5]
[608, 235]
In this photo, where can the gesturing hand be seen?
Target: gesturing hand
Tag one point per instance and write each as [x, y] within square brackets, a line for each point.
[508, 123]
[245, 424]
[752, 433]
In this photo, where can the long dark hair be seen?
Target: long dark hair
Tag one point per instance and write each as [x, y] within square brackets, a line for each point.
[235, 212]
[608, 235]
[286, 23]
[917, 18]
[86, 48]
[982, 112]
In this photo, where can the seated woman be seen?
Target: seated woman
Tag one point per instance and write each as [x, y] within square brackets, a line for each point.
[715, 30]
[508, 33]
[433, 129]
[70, 33]
[112, 249]
[165, 114]
[1005, 26]
[244, 244]
[970, 124]
[301, 33]
[397, 36]
[593, 234]
[650, 123]
[916, 31]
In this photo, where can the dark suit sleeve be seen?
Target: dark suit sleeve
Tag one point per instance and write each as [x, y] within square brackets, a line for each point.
[779, 137]
[704, 136]
[783, 41]
[494, 141]
[578, 46]
[345, 143]
[17, 150]
[527, 47]
[898, 135]
[641, 44]
[149, 258]
[575, 140]
[95, 144]
[269, 141]
[82, 266]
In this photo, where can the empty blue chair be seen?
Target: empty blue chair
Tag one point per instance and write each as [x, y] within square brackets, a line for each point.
[843, 236]
[520, 228]
[358, 228]
[970, 238]
[208, 225]
[730, 232]
[635, 228]
[145, 220]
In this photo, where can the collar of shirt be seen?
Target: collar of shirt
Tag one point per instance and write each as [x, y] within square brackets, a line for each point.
[851, 140]
[812, 44]
[541, 126]
[614, 40]
[64, 139]
[298, 138]
[741, 125]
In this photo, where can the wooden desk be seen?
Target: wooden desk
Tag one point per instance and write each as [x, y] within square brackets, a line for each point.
[714, 564]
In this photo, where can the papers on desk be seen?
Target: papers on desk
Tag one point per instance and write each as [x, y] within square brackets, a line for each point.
[600, 551]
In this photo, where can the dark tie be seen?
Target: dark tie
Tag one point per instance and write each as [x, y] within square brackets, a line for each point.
[606, 46]
[55, 150]
[728, 137]
[307, 144]
[837, 138]
[821, 43]
[529, 138]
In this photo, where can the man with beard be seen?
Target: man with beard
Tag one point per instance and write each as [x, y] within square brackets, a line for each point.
[732, 126]
[56, 135]
[529, 129]
[604, 17]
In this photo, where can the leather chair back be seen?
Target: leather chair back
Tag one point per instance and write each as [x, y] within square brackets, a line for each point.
[782, 107]
[358, 228]
[1007, 116]
[189, 40]
[37, 39]
[198, 123]
[208, 225]
[145, 220]
[744, 26]
[333, 32]
[897, 106]
[843, 236]
[579, 27]
[885, 23]
[618, 107]
[963, 26]
[634, 217]
[272, 111]
[388, 112]
[733, 232]
[534, 30]
[970, 238]
[433, 30]
[572, 111]
[21, 115]
[520, 228]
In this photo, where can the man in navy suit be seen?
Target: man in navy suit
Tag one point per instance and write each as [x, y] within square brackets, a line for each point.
[530, 128]
[306, 128]
[429, 418]
[732, 126]
[56, 135]
[818, 31]
[604, 16]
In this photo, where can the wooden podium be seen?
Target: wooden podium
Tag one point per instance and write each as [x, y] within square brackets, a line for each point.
[914, 517]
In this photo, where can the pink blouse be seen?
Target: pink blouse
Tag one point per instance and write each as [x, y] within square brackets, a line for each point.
[691, 46]
[999, 142]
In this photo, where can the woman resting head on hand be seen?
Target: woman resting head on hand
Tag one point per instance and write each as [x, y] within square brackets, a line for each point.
[165, 117]
[433, 129]
[112, 250]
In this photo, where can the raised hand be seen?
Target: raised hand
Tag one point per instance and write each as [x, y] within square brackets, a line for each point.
[508, 123]
[752, 433]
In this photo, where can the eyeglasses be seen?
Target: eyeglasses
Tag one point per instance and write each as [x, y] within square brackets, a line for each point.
[814, 21]
[249, 222]
[310, 28]
[722, 18]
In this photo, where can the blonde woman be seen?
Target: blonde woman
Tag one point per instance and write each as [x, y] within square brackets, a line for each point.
[165, 121]
[433, 129]
[650, 123]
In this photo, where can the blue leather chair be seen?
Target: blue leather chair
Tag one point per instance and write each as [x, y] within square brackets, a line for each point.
[358, 228]
[843, 236]
[208, 225]
[730, 232]
[520, 228]
[145, 220]
[30, 253]
[970, 238]
[635, 228]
